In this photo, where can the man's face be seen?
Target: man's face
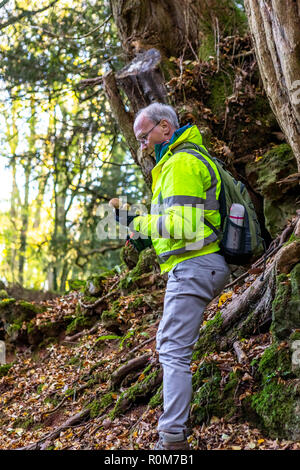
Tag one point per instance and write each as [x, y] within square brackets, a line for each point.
[149, 133]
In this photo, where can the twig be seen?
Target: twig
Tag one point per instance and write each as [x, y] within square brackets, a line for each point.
[138, 347]
[56, 408]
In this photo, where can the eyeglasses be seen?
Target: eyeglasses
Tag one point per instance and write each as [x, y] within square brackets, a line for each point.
[144, 139]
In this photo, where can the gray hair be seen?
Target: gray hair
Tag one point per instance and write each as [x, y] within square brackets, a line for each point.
[158, 111]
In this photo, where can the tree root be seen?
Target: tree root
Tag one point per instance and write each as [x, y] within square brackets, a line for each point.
[133, 364]
[137, 391]
[250, 311]
[76, 419]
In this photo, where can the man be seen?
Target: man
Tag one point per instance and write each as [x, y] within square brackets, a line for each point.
[186, 187]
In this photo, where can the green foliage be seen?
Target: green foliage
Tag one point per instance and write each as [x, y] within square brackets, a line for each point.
[70, 145]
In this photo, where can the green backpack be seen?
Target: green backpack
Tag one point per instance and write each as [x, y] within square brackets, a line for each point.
[250, 241]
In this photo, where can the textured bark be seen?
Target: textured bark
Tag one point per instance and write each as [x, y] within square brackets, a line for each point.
[171, 26]
[123, 117]
[275, 27]
[142, 80]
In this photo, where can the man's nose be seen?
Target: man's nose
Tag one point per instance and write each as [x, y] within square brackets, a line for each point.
[143, 145]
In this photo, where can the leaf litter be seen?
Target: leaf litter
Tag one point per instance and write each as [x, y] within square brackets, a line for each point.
[44, 389]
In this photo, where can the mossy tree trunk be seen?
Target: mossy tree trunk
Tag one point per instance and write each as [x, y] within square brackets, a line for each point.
[275, 27]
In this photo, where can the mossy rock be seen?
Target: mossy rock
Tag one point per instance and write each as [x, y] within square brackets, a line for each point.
[277, 403]
[209, 397]
[263, 176]
[95, 285]
[79, 323]
[12, 311]
[286, 304]
[110, 319]
[147, 262]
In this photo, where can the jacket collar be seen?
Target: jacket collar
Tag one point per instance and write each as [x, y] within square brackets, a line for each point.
[161, 149]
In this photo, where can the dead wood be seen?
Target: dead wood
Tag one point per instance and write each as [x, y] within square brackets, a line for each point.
[78, 418]
[241, 356]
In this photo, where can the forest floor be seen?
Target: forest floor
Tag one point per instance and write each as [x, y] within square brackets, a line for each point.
[44, 389]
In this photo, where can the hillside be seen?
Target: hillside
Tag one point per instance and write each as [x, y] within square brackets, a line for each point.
[82, 378]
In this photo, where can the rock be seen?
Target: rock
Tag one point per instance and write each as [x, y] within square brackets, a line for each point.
[263, 176]
[95, 285]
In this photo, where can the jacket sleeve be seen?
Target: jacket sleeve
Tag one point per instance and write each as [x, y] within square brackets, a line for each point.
[183, 187]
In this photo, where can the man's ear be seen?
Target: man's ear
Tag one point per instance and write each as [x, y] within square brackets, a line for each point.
[166, 127]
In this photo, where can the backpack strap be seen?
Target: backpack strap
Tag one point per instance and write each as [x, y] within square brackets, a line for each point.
[185, 147]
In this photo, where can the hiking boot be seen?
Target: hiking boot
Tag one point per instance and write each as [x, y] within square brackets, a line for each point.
[169, 441]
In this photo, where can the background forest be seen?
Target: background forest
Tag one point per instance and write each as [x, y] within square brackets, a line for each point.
[81, 371]
[62, 154]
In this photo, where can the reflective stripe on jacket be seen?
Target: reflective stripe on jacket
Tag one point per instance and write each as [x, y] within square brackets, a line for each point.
[186, 188]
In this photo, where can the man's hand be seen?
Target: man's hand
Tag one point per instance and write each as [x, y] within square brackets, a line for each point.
[122, 214]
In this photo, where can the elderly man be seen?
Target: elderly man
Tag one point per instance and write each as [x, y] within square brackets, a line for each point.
[186, 188]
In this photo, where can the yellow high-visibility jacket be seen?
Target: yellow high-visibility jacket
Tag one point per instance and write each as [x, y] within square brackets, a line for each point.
[186, 189]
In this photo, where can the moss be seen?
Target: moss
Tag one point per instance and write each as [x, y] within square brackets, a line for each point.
[210, 398]
[295, 336]
[207, 48]
[3, 294]
[25, 424]
[95, 284]
[76, 284]
[137, 302]
[208, 337]
[277, 402]
[145, 264]
[109, 318]
[221, 86]
[4, 369]
[277, 405]
[286, 304]
[275, 362]
[18, 311]
[29, 307]
[157, 399]
[97, 406]
[140, 390]
[6, 302]
[79, 323]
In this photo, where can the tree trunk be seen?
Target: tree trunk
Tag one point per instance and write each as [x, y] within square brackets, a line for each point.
[24, 221]
[275, 27]
[171, 26]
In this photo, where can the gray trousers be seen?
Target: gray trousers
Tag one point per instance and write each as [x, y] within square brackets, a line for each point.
[192, 284]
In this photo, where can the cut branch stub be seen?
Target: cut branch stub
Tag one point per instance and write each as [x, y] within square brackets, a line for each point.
[142, 80]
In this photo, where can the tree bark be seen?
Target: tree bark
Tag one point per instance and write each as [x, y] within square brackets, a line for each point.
[275, 28]
[174, 27]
